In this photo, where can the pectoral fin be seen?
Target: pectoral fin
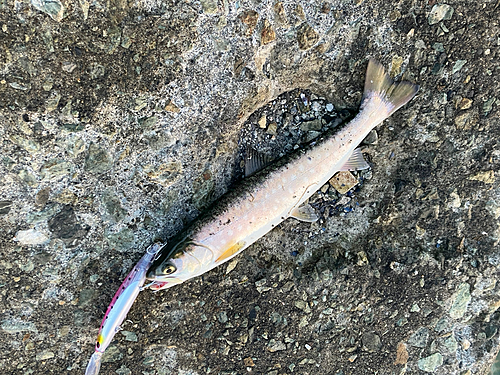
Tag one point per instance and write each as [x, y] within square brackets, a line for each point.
[304, 213]
[355, 162]
[231, 251]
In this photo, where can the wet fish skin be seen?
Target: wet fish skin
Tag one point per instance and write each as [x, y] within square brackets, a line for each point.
[266, 199]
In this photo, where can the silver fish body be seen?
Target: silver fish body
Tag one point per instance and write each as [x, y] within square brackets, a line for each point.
[264, 200]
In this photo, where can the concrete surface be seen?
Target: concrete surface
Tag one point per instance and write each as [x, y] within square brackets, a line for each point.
[122, 121]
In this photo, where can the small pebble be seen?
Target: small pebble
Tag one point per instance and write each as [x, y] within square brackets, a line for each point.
[343, 181]
[465, 103]
[415, 308]
[46, 354]
[248, 362]
[466, 344]
[430, 363]
[440, 12]
[272, 128]
[458, 66]
[262, 122]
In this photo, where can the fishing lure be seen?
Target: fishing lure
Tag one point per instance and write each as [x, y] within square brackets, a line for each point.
[120, 306]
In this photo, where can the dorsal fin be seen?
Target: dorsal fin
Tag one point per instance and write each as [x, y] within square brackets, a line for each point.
[355, 162]
[255, 161]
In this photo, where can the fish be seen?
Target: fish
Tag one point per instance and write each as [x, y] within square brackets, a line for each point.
[268, 197]
[120, 306]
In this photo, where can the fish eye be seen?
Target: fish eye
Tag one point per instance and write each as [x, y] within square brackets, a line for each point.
[170, 268]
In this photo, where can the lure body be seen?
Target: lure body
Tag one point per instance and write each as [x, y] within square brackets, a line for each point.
[120, 306]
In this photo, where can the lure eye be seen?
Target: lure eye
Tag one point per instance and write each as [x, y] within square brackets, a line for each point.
[169, 269]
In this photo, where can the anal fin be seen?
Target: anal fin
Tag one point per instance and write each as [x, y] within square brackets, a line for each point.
[355, 162]
[304, 213]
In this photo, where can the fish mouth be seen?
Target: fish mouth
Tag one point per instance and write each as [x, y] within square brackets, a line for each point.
[158, 285]
[157, 282]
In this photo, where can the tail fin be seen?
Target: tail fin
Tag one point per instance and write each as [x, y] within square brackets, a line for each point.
[378, 83]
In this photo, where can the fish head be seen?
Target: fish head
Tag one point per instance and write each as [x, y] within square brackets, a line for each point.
[168, 273]
[179, 263]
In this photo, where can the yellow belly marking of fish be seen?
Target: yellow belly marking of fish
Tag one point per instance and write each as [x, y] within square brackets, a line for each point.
[267, 198]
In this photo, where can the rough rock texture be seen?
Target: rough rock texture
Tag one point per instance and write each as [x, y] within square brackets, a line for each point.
[121, 121]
